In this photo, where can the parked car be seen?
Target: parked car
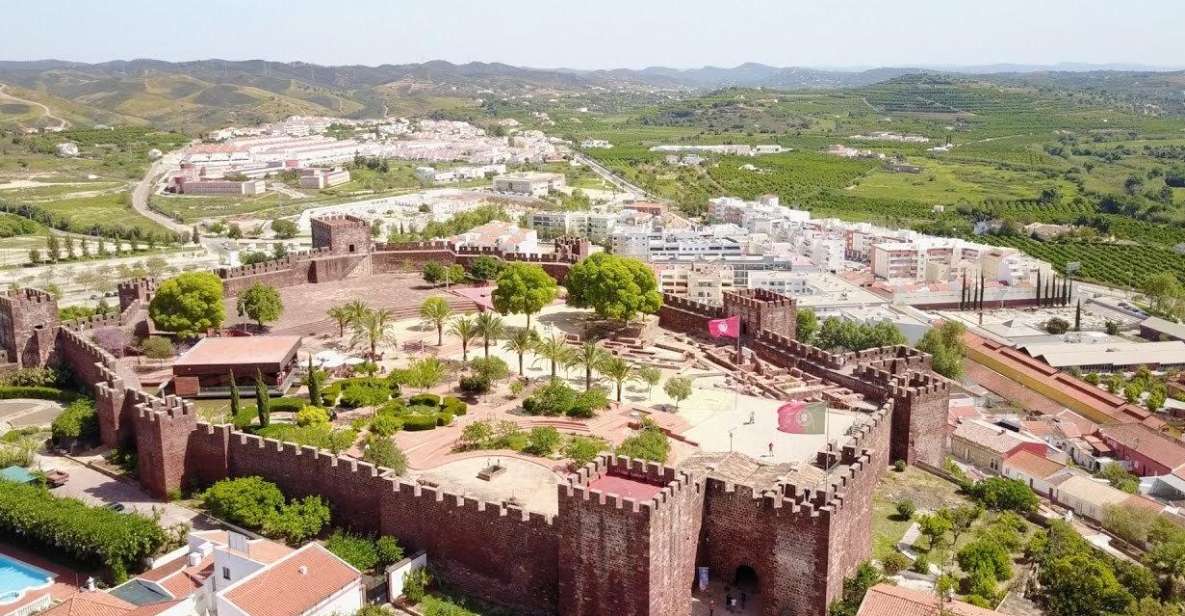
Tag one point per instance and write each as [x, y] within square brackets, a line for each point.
[115, 506]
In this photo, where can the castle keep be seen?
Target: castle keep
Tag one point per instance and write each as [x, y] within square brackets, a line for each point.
[627, 535]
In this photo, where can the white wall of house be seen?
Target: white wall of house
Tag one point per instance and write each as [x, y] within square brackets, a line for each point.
[398, 571]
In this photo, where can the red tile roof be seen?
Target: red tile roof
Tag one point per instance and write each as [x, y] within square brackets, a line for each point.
[1148, 442]
[887, 600]
[1032, 464]
[91, 604]
[293, 585]
[999, 440]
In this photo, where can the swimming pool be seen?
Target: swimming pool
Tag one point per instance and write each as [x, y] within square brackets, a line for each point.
[16, 578]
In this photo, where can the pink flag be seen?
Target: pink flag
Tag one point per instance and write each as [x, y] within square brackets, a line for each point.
[725, 328]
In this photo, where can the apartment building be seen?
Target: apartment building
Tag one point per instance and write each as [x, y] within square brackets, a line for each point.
[596, 226]
[246, 188]
[317, 179]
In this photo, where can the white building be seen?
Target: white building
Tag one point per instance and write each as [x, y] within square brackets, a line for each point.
[536, 184]
[317, 179]
[499, 235]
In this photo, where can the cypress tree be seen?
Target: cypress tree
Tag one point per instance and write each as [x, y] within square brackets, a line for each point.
[1078, 317]
[314, 385]
[963, 293]
[1038, 287]
[234, 397]
[262, 400]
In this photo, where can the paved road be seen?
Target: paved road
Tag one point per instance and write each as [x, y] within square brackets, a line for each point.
[95, 488]
[62, 123]
[140, 199]
[612, 178]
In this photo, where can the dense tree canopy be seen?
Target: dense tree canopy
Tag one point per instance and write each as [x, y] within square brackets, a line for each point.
[837, 333]
[260, 303]
[615, 287]
[523, 288]
[945, 344]
[188, 304]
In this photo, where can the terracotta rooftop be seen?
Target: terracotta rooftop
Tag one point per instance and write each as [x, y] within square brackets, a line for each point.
[999, 440]
[1032, 464]
[293, 585]
[260, 550]
[1148, 442]
[887, 600]
[244, 350]
[90, 604]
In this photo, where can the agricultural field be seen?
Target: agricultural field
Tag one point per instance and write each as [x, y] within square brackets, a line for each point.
[190, 209]
[108, 211]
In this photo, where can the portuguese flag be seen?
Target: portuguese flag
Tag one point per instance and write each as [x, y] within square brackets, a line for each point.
[798, 417]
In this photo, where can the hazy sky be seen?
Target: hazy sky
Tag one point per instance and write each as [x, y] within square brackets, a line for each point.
[601, 33]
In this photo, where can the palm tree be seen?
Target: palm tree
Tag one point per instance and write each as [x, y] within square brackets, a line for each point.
[464, 328]
[374, 327]
[356, 309]
[617, 370]
[489, 327]
[555, 350]
[520, 342]
[435, 311]
[343, 317]
[590, 356]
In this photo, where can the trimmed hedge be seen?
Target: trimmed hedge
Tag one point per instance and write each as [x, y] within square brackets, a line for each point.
[419, 421]
[38, 393]
[287, 405]
[424, 399]
[78, 422]
[451, 404]
[69, 527]
[475, 384]
[364, 392]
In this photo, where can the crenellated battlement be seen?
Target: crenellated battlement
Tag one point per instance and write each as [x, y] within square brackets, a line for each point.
[667, 479]
[13, 298]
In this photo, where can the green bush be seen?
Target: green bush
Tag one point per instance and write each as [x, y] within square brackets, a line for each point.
[475, 384]
[358, 550]
[70, 528]
[419, 421]
[319, 436]
[382, 451]
[648, 444]
[543, 441]
[364, 392]
[385, 424]
[415, 584]
[287, 405]
[311, 416]
[299, 520]
[246, 501]
[389, 551]
[921, 564]
[895, 563]
[78, 422]
[424, 400]
[557, 398]
[32, 377]
[493, 368]
[451, 404]
[444, 419]
[583, 449]
[394, 407]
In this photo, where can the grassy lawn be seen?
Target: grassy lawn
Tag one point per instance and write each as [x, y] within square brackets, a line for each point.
[189, 209]
[927, 491]
[941, 182]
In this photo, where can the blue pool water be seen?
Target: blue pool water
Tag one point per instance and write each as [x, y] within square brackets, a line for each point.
[17, 577]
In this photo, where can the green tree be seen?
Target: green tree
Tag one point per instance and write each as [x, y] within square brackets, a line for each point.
[490, 327]
[433, 272]
[837, 333]
[589, 356]
[435, 311]
[807, 325]
[678, 388]
[485, 268]
[313, 381]
[188, 304]
[934, 526]
[543, 441]
[262, 400]
[234, 396]
[945, 345]
[374, 327]
[157, 347]
[618, 370]
[1057, 326]
[555, 350]
[342, 317]
[1120, 478]
[298, 521]
[1162, 290]
[520, 342]
[1082, 585]
[615, 287]
[523, 288]
[1003, 494]
[650, 376]
[426, 373]
[464, 328]
[260, 303]
[382, 451]
[284, 229]
[246, 501]
[650, 443]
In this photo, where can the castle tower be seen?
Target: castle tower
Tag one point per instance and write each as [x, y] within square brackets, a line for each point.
[628, 531]
[342, 235]
[138, 290]
[28, 327]
[761, 309]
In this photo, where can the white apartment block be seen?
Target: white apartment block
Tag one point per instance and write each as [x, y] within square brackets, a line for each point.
[701, 281]
[596, 226]
[323, 178]
[536, 184]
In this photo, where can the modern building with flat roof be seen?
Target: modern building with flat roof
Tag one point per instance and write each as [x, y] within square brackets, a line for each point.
[205, 369]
